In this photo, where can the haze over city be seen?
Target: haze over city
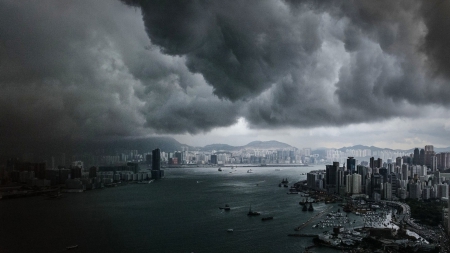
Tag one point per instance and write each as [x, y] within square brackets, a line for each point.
[307, 73]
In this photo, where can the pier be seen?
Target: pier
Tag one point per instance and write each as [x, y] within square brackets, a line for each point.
[312, 218]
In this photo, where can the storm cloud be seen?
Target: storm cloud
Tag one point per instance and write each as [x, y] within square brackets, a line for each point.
[81, 70]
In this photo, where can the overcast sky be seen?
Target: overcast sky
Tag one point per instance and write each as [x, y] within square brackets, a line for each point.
[309, 73]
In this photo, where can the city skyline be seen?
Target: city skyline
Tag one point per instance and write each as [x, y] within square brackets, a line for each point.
[309, 74]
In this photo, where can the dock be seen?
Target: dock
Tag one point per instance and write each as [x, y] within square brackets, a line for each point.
[312, 218]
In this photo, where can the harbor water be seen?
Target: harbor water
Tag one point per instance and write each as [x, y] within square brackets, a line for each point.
[179, 213]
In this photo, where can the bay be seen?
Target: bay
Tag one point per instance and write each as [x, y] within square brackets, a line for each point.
[179, 213]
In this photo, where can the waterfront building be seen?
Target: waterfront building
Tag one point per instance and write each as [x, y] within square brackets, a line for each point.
[331, 177]
[157, 173]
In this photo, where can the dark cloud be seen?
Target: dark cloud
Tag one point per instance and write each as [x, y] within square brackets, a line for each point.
[79, 70]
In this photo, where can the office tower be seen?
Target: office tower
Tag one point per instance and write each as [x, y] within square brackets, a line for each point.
[383, 172]
[376, 184]
[398, 161]
[414, 190]
[331, 177]
[156, 159]
[372, 160]
[422, 157]
[416, 156]
[405, 171]
[157, 173]
[429, 153]
[433, 165]
[341, 181]
[213, 159]
[393, 180]
[387, 191]
[351, 165]
[363, 171]
[349, 183]
[356, 184]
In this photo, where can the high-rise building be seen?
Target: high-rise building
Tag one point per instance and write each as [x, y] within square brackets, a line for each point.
[429, 153]
[331, 177]
[213, 159]
[387, 191]
[422, 157]
[356, 184]
[398, 161]
[351, 165]
[157, 173]
[416, 157]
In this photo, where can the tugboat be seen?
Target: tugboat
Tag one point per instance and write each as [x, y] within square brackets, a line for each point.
[226, 208]
[310, 208]
[285, 181]
[252, 213]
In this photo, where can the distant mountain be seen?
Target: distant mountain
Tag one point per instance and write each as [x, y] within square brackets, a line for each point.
[373, 148]
[251, 145]
[267, 145]
[222, 147]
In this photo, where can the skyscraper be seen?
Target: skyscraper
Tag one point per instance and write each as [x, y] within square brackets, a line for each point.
[157, 173]
[429, 153]
[422, 157]
[351, 165]
[416, 156]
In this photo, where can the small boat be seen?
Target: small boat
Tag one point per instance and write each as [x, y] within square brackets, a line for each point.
[250, 171]
[279, 185]
[286, 185]
[72, 247]
[226, 208]
[252, 213]
[230, 230]
[267, 218]
[220, 169]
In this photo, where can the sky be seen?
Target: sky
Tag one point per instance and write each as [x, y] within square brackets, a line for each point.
[307, 73]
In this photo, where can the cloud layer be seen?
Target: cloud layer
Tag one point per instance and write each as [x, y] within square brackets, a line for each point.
[79, 70]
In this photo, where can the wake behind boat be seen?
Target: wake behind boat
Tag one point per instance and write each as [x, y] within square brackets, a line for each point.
[72, 247]
[226, 208]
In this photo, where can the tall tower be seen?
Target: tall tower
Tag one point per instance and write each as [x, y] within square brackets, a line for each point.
[157, 173]
[416, 156]
[156, 159]
[351, 165]
[422, 157]
[429, 152]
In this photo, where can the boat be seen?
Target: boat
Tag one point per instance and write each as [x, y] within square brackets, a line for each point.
[252, 213]
[230, 230]
[277, 169]
[305, 208]
[286, 185]
[55, 195]
[285, 181]
[267, 218]
[146, 182]
[72, 247]
[310, 208]
[279, 185]
[250, 171]
[226, 208]
[220, 169]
